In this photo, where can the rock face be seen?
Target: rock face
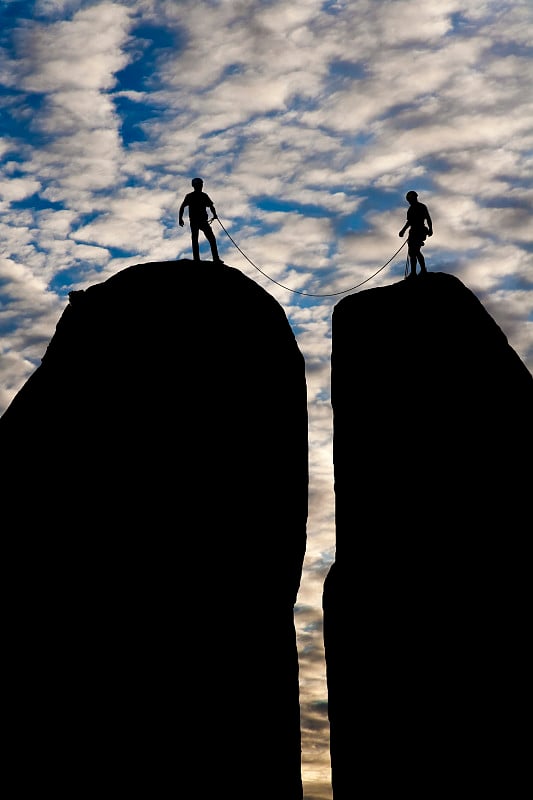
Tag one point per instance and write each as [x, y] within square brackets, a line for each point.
[158, 461]
[427, 606]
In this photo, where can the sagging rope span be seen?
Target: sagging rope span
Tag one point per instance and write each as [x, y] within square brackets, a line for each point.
[297, 291]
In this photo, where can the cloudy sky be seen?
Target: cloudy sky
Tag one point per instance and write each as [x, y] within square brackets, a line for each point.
[308, 120]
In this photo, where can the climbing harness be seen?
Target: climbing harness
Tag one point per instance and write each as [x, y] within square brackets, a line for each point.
[297, 291]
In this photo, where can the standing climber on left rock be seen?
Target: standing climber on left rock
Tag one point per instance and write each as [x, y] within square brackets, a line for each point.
[198, 202]
[417, 219]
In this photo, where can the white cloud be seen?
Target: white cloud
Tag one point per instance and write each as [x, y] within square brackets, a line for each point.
[84, 52]
[15, 189]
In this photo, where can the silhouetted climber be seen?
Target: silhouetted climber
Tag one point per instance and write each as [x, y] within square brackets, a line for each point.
[198, 201]
[417, 217]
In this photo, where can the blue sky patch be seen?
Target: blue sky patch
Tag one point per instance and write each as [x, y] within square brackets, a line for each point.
[147, 46]
[132, 116]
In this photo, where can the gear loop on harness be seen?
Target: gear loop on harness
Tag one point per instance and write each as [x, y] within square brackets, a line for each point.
[297, 291]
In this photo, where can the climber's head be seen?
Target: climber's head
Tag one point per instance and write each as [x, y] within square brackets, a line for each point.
[411, 196]
[197, 183]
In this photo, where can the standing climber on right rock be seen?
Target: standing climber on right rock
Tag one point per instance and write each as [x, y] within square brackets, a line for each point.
[420, 226]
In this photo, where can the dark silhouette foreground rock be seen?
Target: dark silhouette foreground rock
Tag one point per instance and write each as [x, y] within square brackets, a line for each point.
[427, 606]
[156, 468]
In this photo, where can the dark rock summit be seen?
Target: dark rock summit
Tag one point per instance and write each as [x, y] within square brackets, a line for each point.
[155, 490]
[156, 467]
[427, 605]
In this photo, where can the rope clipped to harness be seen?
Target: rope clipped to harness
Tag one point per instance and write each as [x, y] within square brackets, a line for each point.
[297, 291]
